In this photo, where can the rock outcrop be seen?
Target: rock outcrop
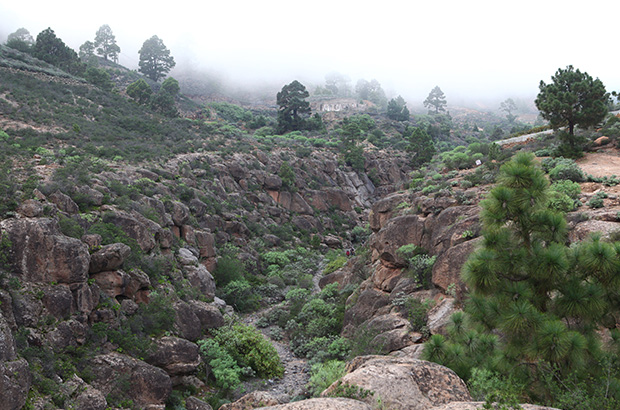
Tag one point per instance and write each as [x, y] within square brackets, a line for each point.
[322, 404]
[402, 383]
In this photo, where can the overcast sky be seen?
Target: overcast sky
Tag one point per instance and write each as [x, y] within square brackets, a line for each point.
[474, 49]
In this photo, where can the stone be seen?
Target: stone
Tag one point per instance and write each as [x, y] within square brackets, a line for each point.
[200, 278]
[58, 300]
[369, 302]
[208, 314]
[399, 231]
[439, 316]
[272, 183]
[109, 257]
[64, 203]
[186, 321]
[175, 355]
[402, 383]
[15, 382]
[253, 400]
[206, 244]
[178, 211]
[186, 257]
[90, 399]
[193, 403]
[321, 404]
[146, 384]
[133, 227]
[30, 208]
[447, 268]
[40, 253]
[93, 240]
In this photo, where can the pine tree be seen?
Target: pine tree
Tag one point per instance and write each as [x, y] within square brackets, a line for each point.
[155, 59]
[105, 42]
[292, 107]
[535, 304]
[436, 100]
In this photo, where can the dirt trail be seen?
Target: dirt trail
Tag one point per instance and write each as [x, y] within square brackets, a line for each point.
[296, 370]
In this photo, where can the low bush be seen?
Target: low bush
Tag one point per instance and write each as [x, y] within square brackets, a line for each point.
[322, 375]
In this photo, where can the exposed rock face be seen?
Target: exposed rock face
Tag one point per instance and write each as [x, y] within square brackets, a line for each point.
[147, 384]
[41, 254]
[447, 267]
[398, 231]
[209, 315]
[109, 257]
[322, 404]
[404, 383]
[135, 228]
[31, 208]
[64, 202]
[253, 400]
[175, 355]
[15, 378]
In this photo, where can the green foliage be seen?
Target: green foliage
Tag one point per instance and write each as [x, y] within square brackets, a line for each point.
[322, 375]
[572, 99]
[397, 109]
[99, 78]
[292, 107]
[5, 249]
[335, 264]
[224, 367]
[105, 42]
[420, 144]
[240, 346]
[287, 174]
[155, 59]
[563, 169]
[53, 50]
[70, 227]
[545, 299]
[230, 112]
[436, 100]
[140, 91]
[564, 195]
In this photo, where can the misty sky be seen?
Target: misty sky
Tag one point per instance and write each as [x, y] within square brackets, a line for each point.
[472, 49]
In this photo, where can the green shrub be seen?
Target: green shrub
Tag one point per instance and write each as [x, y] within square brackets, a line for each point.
[224, 367]
[334, 265]
[240, 294]
[563, 168]
[250, 349]
[70, 227]
[322, 375]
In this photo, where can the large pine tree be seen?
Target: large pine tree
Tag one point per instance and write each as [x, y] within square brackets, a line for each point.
[536, 306]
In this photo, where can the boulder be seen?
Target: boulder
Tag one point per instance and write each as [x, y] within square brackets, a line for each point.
[93, 240]
[175, 355]
[186, 257]
[392, 332]
[90, 398]
[40, 253]
[383, 210]
[198, 208]
[206, 244]
[58, 300]
[8, 350]
[272, 183]
[451, 227]
[386, 277]
[448, 266]
[133, 227]
[15, 382]
[399, 231]
[403, 383]
[186, 321]
[208, 314]
[200, 278]
[253, 400]
[439, 316]
[112, 283]
[30, 208]
[64, 202]
[143, 383]
[321, 404]
[178, 211]
[109, 257]
[584, 229]
[193, 403]
[369, 303]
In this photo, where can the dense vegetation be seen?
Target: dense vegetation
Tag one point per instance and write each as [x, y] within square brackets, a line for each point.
[530, 329]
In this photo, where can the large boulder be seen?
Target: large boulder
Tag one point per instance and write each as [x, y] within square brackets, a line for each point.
[200, 278]
[208, 314]
[15, 382]
[135, 227]
[448, 266]
[109, 257]
[402, 383]
[399, 231]
[321, 404]
[369, 303]
[40, 253]
[186, 321]
[143, 383]
[175, 355]
[64, 202]
[253, 400]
